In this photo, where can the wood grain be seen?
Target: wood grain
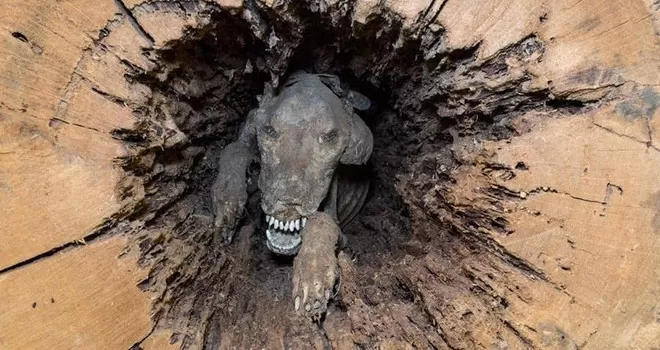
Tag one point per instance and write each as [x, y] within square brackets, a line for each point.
[588, 219]
[86, 297]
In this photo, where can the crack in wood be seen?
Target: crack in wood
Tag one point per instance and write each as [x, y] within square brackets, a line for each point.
[104, 230]
[138, 344]
[649, 129]
[437, 13]
[648, 144]
[75, 124]
[134, 22]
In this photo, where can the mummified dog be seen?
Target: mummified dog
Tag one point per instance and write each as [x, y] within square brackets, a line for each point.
[312, 150]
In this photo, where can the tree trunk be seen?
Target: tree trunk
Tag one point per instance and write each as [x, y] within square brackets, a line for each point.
[515, 200]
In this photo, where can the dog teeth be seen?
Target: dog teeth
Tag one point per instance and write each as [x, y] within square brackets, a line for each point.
[284, 235]
[285, 226]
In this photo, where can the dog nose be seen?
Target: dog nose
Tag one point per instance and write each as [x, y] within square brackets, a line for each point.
[285, 211]
[288, 212]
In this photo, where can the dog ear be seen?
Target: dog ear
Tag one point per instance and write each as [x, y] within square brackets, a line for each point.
[360, 143]
[267, 95]
[356, 99]
[333, 83]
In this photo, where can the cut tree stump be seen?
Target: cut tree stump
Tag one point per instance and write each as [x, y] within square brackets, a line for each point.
[517, 173]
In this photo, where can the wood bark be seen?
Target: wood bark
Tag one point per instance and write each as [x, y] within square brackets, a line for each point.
[517, 165]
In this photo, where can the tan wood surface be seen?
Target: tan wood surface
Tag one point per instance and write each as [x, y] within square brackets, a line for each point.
[589, 216]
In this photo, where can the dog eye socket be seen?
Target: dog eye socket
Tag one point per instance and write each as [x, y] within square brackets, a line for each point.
[269, 131]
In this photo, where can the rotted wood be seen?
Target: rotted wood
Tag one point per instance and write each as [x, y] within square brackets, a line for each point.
[516, 159]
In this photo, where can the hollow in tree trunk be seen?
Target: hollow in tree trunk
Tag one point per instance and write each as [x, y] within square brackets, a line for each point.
[514, 199]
